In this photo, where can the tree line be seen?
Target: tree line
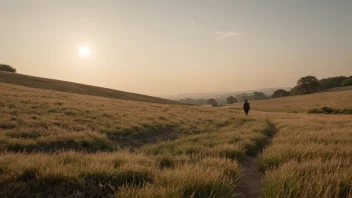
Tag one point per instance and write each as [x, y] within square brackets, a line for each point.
[310, 84]
[7, 68]
[305, 85]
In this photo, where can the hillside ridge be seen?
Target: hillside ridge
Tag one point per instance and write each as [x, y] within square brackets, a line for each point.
[72, 87]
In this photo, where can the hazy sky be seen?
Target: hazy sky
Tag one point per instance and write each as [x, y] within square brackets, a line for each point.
[165, 47]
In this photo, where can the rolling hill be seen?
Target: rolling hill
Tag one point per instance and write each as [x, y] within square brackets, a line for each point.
[63, 144]
[303, 103]
[64, 86]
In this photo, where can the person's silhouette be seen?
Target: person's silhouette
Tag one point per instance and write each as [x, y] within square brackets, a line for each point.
[246, 107]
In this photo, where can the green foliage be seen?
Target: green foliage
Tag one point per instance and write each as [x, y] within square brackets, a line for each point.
[347, 82]
[328, 83]
[309, 84]
[231, 100]
[306, 85]
[280, 93]
[212, 101]
[252, 96]
[329, 110]
[7, 68]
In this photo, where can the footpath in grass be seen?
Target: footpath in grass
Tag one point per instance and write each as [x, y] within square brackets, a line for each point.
[199, 165]
[250, 183]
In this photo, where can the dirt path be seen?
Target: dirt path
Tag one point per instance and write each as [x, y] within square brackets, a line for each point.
[250, 184]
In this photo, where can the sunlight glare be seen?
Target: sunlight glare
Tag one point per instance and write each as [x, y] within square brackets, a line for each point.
[84, 51]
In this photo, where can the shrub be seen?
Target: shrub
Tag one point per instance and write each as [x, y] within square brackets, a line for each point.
[329, 110]
[347, 82]
[231, 100]
[7, 68]
[212, 101]
[280, 93]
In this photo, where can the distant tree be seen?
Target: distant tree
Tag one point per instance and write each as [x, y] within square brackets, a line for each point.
[231, 100]
[306, 85]
[252, 96]
[7, 68]
[280, 93]
[347, 82]
[212, 101]
[242, 96]
[194, 101]
[328, 83]
[259, 96]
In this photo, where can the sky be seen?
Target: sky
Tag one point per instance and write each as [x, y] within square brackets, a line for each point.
[166, 47]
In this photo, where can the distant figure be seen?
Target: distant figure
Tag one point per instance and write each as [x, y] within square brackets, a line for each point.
[246, 107]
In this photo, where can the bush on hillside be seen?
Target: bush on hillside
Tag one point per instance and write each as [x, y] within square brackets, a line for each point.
[7, 68]
[252, 96]
[231, 100]
[280, 93]
[347, 82]
[332, 82]
[212, 101]
[329, 110]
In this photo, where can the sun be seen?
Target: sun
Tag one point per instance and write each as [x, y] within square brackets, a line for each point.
[84, 51]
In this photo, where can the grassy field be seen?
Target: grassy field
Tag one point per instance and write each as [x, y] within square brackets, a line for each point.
[71, 145]
[64, 86]
[309, 157]
[62, 144]
[301, 104]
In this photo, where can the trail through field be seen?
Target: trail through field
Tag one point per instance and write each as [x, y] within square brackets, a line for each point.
[250, 184]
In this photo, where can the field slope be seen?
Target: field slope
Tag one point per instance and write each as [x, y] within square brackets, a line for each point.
[64, 86]
[59, 144]
[303, 103]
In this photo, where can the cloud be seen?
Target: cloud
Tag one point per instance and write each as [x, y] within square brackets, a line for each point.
[223, 35]
[192, 22]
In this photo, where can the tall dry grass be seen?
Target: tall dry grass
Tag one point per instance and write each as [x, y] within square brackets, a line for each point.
[67, 145]
[309, 157]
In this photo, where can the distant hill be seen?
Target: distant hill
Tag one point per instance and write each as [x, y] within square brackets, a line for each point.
[266, 91]
[64, 86]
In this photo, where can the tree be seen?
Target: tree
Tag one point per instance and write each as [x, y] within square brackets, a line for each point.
[7, 68]
[347, 82]
[231, 100]
[259, 96]
[212, 101]
[193, 101]
[252, 96]
[328, 83]
[306, 85]
[280, 93]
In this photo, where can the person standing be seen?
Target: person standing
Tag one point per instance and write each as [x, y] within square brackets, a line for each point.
[246, 107]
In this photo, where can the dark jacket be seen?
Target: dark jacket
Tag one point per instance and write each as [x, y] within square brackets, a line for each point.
[246, 106]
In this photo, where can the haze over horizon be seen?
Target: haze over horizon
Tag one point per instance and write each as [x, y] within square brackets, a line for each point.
[159, 47]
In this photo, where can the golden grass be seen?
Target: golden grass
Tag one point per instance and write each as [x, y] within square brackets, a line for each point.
[40, 120]
[62, 144]
[309, 157]
[64, 86]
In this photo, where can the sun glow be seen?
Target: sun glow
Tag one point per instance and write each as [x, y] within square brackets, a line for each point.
[84, 51]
